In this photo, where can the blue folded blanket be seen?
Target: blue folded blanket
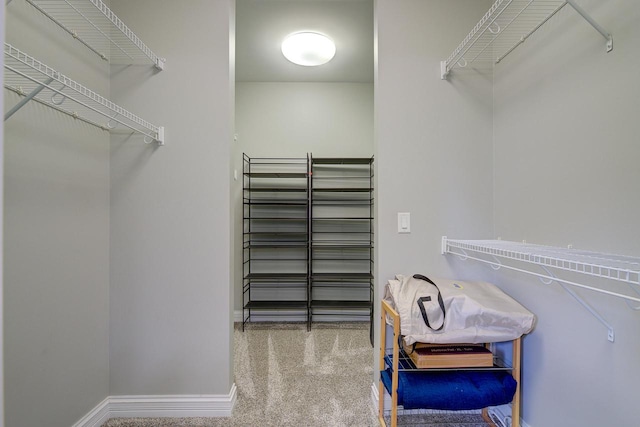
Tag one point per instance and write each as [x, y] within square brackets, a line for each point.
[452, 390]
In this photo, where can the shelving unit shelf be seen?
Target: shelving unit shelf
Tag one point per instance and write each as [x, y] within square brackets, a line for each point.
[406, 364]
[507, 25]
[341, 237]
[275, 237]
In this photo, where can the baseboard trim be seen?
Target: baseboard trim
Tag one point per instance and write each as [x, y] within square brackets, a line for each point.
[160, 406]
[96, 417]
[374, 394]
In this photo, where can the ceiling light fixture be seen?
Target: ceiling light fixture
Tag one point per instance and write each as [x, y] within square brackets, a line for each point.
[308, 49]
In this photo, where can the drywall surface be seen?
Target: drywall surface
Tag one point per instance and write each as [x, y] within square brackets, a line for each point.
[566, 172]
[293, 119]
[56, 240]
[1, 234]
[170, 329]
[433, 138]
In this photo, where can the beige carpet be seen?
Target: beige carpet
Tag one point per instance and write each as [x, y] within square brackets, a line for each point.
[287, 376]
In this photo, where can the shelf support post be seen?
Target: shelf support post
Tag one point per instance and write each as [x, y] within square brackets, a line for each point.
[28, 98]
[593, 23]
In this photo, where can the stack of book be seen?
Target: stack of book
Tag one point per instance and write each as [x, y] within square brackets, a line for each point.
[449, 355]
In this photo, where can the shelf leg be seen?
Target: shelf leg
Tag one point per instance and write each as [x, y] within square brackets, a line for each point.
[515, 405]
[28, 98]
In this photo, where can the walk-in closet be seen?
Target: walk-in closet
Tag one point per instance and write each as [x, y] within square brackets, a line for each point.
[470, 140]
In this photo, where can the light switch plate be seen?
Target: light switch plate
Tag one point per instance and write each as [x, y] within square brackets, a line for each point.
[404, 222]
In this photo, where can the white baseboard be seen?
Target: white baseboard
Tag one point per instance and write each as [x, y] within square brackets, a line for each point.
[160, 407]
[96, 417]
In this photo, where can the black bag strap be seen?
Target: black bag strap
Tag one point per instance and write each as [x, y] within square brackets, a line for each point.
[421, 301]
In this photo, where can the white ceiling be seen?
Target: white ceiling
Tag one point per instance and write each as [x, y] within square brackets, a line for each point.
[261, 25]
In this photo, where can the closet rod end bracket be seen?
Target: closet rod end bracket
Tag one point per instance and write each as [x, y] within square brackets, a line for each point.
[611, 335]
[443, 246]
[444, 72]
[160, 138]
[159, 64]
[609, 43]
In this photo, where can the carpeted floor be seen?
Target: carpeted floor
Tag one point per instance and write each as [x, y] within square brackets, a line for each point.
[287, 376]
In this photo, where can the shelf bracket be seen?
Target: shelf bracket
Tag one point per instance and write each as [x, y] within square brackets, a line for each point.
[26, 99]
[550, 277]
[593, 23]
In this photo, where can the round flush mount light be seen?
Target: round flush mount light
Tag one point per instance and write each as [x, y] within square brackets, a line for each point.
[308, 49]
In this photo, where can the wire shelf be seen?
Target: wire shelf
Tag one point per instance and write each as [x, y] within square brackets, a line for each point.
[507, 25]
[31, 78]
[94, 25]
[619, 268]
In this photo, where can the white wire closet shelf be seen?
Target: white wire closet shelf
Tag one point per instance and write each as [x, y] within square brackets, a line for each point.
[94, 25]
[618, 268]
[35, 81]
[506, 25]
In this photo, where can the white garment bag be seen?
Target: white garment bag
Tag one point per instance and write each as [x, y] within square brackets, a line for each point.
[442, 311]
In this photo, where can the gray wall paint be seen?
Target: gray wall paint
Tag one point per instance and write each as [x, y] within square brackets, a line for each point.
[56, 237]
[566, 172]
[171, 325]
[1, 233]
[293, 119]
[433, 137]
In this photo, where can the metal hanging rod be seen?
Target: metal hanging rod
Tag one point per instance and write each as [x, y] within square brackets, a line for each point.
[36, 81]
[94, 25]
[506, 25]
[619, 268]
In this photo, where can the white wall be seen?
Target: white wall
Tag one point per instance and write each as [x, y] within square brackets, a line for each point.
[293, 119]
[433, 137]
[566, 172]
[171, 299]
[56, 237]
